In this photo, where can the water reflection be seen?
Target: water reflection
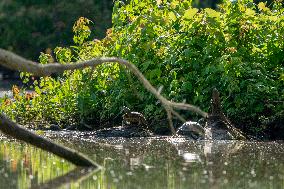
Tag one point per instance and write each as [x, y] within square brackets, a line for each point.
[76, 175]
[23, 166]
[149, 163]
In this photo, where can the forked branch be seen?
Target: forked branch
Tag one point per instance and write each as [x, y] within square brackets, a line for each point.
[15, 62]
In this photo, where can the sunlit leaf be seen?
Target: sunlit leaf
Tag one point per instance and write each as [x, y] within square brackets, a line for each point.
[212, 13]
[189, 13]
[250, 12]
[159, 2]
[262, 7]
[172, 16]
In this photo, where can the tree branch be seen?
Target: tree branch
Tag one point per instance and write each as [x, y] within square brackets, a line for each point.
[15, 62]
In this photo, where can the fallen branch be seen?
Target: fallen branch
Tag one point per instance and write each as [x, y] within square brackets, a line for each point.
[11, 128]
[15, 62]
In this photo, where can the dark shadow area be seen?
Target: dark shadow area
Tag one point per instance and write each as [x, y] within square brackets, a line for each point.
[31, 27]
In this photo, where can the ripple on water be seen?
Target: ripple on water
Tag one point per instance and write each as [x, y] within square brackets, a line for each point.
[155, 162]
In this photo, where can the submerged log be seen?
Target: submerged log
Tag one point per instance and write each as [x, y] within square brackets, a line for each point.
[11, 128]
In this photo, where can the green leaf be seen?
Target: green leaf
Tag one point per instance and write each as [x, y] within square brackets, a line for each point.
[250, 12]
[262, 7]
[155, 73]
[212, 13]
[190, 13]
[172, 16]
[146, 64]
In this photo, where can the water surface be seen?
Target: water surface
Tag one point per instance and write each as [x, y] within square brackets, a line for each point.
[160, 162]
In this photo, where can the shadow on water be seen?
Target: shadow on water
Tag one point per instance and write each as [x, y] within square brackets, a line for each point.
[159, 162]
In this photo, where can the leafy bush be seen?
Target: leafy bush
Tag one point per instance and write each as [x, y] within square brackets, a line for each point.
[238, 49]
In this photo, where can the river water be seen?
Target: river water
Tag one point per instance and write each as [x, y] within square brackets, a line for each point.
[160, 162]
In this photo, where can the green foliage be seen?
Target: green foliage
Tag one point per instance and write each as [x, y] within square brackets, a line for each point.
[238, 49]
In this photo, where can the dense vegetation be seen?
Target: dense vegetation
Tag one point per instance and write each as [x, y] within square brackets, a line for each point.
[237, 48]
[29, 27]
